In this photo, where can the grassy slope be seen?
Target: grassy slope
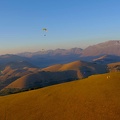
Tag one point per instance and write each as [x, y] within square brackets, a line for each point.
[113, 67]
[42, 79]
[69, 66]
[94, 98]
[80, 67]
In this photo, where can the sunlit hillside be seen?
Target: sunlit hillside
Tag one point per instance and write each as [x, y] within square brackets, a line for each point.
[114, 67]
[13, 70]
[42, 79]
[93, 98]
[19, 77]
[83, 69]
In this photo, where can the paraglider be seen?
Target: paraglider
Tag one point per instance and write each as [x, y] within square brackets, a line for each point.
[44, 29]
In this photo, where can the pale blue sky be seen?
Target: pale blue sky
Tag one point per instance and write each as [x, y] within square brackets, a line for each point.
[70, 23]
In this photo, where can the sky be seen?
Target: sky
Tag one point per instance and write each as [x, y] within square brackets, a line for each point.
[69, 23]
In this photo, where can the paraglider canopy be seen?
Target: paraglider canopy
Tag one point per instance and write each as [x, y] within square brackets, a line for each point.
[44, 29]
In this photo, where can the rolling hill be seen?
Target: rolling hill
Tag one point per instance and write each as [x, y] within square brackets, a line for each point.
[42, 79]
[83, 69]
[106, 59]
[11, 58]
[23, 79]
[114, 67]
[94, 98]
[14, 70]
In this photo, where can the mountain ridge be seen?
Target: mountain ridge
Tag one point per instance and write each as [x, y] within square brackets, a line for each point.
[46, 58]
[84, 52]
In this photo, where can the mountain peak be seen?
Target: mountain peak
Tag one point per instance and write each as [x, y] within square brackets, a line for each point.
[111, 47]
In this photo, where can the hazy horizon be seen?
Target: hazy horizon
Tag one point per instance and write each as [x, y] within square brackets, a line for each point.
[69, 23]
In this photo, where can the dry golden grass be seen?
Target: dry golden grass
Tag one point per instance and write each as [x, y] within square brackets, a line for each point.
[113, 64]
[41, 79]
[82, 68]
[94, 98]
[113, 67]
[53, 68]
[19, 83]
[69, 66]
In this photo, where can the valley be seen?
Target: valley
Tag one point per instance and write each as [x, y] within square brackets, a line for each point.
[20, 73]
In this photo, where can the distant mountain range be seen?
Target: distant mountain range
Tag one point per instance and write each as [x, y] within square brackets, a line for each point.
[26, 71]
[46, 58]
[110, 48]
[56, 52]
